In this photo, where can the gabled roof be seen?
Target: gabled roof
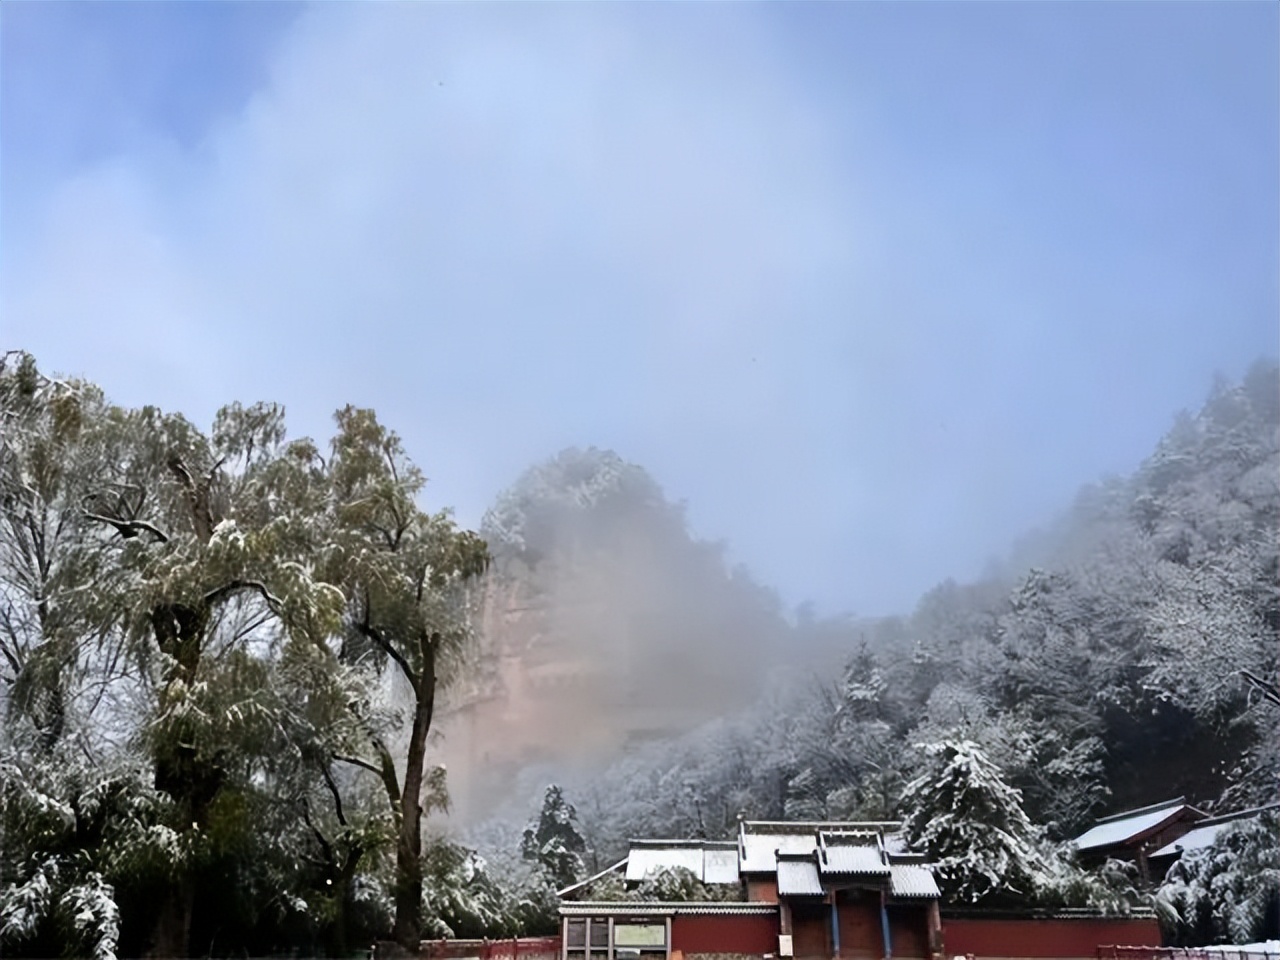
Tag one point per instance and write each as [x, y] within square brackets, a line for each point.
[1206, 831]
[806, 855]
[760, 842]
[1131, 825]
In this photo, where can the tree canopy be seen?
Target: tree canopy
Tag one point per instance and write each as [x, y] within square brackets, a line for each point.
[196, 631]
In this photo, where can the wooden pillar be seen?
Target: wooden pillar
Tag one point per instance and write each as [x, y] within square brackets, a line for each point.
[1144, 868]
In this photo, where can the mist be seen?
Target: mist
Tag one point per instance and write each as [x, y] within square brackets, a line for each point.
[871, 289]
[602, 625]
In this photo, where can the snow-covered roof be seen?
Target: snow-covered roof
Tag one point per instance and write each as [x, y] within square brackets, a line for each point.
[1196, 839]
[895, 842]
[762, 841]
[912, 880]
[803, 854]
[798, 877]
[759, 852]
[1121, 827]
[709, 861]
[846, 858]
[720, 865]
[1206, 831]
[632, 908]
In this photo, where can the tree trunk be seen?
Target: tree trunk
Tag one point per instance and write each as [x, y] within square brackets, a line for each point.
[190, 782]
[172, 930]
[408, 923]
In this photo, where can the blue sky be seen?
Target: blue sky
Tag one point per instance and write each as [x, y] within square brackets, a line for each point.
[873, 287]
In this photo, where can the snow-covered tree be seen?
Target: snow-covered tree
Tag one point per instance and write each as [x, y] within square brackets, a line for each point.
[553, 841]
[226, 602]
[60, 629]
[971, 822]
[404, 574]
[463, 899]
[1229, 891]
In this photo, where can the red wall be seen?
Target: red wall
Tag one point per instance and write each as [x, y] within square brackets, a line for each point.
[1044, 938]
[909, 930]
[725, 933]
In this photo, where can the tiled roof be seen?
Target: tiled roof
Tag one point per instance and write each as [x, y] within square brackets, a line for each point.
[798, 877]
[912, 880]
[863, 858]
[803, 854]
[762, 840]
[1125, 826]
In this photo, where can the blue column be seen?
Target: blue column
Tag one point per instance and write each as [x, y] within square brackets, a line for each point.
[884, 928]
[835, 926]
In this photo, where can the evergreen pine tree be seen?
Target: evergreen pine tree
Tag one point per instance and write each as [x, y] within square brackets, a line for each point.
[972, 824]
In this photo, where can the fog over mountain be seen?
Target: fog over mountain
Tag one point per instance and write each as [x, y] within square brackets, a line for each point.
[1121, 641]
[873, 289]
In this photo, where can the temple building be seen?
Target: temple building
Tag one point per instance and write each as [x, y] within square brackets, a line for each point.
[808, 889]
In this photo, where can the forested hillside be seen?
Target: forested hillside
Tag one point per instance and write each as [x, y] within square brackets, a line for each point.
[1107, 676]
[225, 656]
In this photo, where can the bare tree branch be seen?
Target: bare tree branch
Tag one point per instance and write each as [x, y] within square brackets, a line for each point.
[368, 630]
[234, 586]
[357, 762]
[1268, 689]
[179, 469]
[337, 797]
[128, 529]
[330, 859]
[208, 477]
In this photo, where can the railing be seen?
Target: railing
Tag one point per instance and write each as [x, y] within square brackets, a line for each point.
[1181, 953]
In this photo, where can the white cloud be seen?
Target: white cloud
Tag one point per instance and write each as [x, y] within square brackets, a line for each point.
[505, 228]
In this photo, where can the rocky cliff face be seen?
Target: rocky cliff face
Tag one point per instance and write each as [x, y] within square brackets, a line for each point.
[571, 665]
